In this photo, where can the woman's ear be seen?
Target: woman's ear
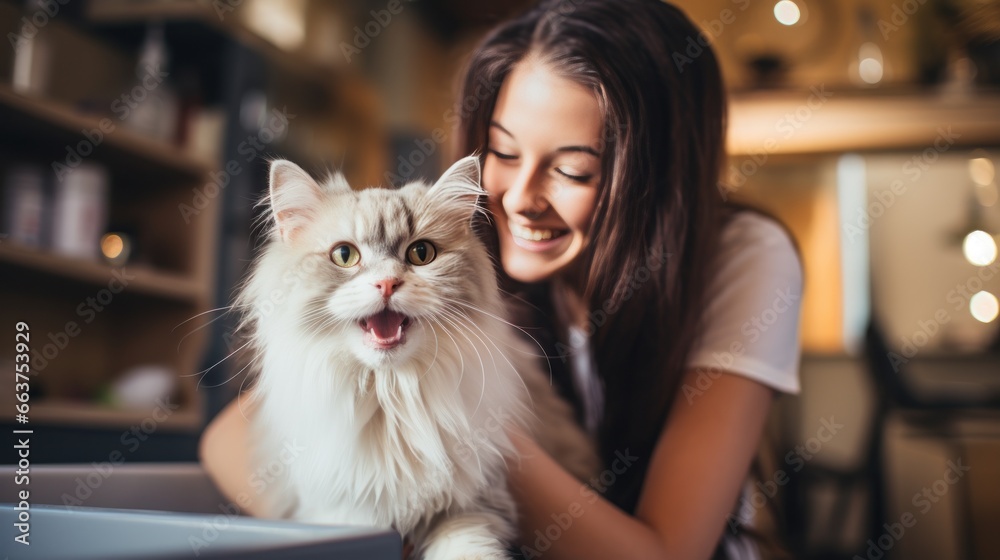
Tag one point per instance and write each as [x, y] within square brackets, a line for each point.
[294, 198]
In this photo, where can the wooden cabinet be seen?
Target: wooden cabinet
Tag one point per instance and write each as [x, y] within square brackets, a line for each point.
[91, 322]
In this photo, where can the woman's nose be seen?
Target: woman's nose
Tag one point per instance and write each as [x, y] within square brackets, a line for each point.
[526, 195]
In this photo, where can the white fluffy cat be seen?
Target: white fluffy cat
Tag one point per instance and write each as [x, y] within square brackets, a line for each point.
[381, 346]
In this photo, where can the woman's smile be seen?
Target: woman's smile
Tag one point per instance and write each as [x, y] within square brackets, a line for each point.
[535, 238]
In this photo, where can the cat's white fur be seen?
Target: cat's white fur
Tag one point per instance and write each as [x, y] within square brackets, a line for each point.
[414, 438]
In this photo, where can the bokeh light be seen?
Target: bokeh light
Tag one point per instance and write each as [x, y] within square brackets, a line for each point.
[787, 12]
[980, 248]
[112, 245]
[981, 170]
[870, 70]
[984, 307]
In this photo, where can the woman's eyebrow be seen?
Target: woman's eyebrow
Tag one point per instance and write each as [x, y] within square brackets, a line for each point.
[584, 149]
[499, 127]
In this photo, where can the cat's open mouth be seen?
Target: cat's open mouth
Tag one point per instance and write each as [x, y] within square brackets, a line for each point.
[385, 330]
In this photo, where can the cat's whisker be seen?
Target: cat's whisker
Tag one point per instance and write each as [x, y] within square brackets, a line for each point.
[199, 385]
[482, 365]
[461, 359]
[494, 316]
[472, 307]
[460, 330]
[533, 339]
[253, 361]
[231, 354]
[482, 390]
[460, 313]
[315, 312]
[434, 358]
[502, 353]
[315, 327]
[252, 396]
[316, 321]
[488, 341]
[467, 322]
[513, 368]
[513, 295]
[224, 309]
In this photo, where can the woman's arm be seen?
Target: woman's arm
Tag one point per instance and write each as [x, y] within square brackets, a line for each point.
[223, 451]
[697, 470]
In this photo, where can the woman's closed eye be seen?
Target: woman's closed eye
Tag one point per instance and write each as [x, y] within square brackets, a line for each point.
[502, 155]
[573, 177]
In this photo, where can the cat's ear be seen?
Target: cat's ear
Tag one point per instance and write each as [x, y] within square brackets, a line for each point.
[459, 186]
[337, 182]
[294, 197]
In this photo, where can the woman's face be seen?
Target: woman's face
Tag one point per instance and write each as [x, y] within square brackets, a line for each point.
[542, 170]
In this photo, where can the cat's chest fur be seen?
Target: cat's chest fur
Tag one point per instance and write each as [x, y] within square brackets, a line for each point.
[388, 447]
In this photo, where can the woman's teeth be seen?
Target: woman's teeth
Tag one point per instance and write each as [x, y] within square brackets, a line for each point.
[533, 234]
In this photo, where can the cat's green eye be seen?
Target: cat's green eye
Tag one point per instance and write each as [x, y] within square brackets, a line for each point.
[345, 255]
[421, 253]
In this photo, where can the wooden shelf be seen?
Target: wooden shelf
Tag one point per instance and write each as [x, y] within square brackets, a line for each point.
[53, 126]
[129, 11]
[146, 280]
[76, 414]
[808, 122]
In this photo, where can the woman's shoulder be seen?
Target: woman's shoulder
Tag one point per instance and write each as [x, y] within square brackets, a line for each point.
[758, 237]
[751, 317]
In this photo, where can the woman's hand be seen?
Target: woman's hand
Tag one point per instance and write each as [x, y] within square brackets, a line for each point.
[585, 524]
[684, 504]
[224, 454]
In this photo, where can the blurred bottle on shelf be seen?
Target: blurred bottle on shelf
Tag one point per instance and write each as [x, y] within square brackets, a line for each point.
[154, 103]
[24, 201]
[80, 211]
[32, 51]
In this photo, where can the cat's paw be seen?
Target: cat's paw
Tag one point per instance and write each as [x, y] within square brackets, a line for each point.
[469, 536]
[469, 555]
[486, 556]
[458, 548]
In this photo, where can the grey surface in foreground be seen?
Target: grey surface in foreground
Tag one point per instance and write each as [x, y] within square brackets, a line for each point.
[181, 487]
[178, 502]
[114, 534]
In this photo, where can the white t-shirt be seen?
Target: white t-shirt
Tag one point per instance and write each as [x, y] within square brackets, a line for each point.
[753, 302]
[751, 315]
[751, 326]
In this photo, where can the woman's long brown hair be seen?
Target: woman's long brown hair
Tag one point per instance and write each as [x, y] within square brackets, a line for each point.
[659, 208]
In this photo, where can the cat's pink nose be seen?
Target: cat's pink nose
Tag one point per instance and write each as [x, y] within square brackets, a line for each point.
[387, 286]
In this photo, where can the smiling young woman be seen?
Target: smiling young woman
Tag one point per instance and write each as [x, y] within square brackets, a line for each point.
[601, 157]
